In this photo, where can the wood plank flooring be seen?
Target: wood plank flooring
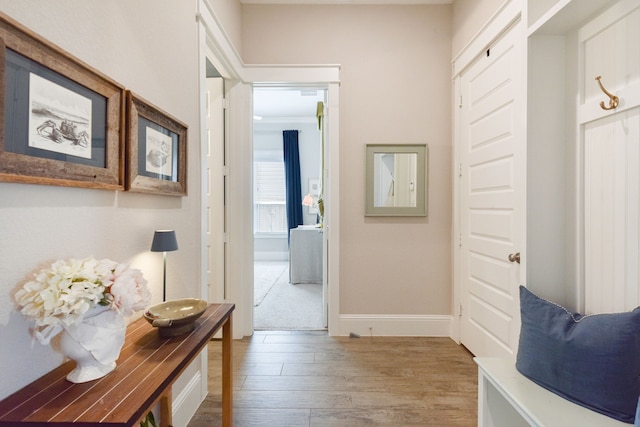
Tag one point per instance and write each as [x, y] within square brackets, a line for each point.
[310, 379]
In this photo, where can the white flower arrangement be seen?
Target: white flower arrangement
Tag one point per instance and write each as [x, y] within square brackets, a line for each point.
[60, 295]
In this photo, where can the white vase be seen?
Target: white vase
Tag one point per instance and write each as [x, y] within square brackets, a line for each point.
[94, 343]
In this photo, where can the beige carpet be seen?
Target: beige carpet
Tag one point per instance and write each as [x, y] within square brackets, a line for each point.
[279, 305]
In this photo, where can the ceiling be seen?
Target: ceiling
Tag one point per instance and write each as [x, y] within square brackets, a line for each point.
[289, 104]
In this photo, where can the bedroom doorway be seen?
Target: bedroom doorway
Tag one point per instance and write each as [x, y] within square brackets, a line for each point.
[284, 299]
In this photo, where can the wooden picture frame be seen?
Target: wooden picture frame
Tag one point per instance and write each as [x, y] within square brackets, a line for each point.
[61, 121]
[156, 150]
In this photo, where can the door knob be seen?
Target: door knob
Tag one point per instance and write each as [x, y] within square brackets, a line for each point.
[515, 257]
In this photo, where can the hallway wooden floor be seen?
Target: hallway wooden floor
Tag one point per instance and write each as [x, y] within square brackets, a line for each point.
[311, 379]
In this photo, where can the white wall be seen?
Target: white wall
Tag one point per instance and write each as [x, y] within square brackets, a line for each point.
[152, 51]
[395, 88]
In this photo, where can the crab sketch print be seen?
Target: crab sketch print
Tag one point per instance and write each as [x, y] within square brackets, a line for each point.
[59, 119]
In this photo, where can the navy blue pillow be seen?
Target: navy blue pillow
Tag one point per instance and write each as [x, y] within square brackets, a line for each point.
[593, 361]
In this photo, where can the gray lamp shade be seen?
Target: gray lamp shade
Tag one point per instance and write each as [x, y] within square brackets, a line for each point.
[164, 241]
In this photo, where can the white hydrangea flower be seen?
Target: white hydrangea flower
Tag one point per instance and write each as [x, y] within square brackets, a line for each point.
[60, 295]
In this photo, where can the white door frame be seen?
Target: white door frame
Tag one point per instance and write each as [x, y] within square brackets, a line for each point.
[215, 46]
[325, 77]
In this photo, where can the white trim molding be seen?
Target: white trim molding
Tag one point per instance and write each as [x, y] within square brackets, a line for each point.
[185, 404]
[399, 325]
[279, 75]
[225, 57]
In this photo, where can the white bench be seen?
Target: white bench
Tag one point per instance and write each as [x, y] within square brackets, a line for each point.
[507, 398]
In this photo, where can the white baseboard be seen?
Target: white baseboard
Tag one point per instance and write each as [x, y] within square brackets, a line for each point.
[185, 404]
[395, 325]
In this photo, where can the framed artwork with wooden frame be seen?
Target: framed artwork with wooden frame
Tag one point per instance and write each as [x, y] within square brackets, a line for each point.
[156, 150]
[61, 121]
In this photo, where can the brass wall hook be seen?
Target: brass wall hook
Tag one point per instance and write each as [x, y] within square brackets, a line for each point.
[613, 100]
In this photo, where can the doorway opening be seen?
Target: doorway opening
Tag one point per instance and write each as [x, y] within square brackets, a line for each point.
[288, 268]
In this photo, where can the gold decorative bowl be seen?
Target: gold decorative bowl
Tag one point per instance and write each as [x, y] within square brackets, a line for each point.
[176, 317]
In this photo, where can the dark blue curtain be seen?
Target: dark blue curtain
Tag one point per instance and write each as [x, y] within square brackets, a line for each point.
[292, 178]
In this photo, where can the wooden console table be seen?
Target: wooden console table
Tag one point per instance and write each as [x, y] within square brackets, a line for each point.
[147, 367]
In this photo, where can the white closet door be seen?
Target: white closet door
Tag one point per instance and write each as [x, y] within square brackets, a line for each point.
[611, 138]
[491, 197]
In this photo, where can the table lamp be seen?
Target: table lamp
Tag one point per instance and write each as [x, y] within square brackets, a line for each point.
[164, 241]
[308, 200]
